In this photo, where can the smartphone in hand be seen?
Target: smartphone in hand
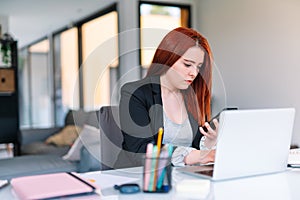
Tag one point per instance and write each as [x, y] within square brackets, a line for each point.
[211, 123]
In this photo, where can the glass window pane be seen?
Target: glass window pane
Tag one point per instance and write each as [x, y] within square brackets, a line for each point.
[40, 79]
[155, 22]
[66, 73]
[100, 52]
[24, 92]
[41, 47]
[69, 69]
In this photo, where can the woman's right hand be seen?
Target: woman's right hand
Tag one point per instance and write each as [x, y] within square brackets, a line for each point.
[211, 135]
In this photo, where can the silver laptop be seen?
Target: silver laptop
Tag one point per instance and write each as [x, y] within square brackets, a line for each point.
[250, 142]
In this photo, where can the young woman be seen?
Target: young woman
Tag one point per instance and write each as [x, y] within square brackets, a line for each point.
[175, 95]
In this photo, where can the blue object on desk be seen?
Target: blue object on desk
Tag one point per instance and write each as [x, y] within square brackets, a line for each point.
[129, 188]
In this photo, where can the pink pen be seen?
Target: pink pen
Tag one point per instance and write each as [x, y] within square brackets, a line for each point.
[147, 170]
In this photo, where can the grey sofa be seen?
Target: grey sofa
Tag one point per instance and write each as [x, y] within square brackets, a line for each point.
[33, 140]
[38, 157]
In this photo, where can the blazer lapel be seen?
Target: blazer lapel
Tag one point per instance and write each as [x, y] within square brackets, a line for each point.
[157, 108]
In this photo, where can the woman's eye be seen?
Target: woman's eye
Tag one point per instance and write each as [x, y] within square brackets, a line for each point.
[187, 65]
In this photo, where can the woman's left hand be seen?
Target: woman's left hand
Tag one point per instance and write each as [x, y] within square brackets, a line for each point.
[211, 134]
[200, 156]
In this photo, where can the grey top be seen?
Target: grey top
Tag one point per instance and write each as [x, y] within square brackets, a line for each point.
[181, 136]
[177, 134]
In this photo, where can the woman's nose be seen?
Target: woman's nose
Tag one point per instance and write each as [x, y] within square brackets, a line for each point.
[193, 71]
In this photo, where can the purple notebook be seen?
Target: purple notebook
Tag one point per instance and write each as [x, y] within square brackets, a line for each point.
[50, 186]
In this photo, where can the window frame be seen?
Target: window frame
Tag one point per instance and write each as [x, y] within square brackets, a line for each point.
[180, 5]
[78, 24]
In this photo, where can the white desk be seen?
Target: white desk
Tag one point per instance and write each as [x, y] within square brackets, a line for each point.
[281, 186]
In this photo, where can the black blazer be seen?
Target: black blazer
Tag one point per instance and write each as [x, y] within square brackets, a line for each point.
[141, 115]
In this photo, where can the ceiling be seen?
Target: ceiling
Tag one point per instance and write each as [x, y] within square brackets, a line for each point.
[30, 20]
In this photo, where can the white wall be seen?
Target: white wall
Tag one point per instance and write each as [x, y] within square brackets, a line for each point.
[256, 46]
[3, 24]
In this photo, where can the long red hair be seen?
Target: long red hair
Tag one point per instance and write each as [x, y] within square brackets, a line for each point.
[171, 48]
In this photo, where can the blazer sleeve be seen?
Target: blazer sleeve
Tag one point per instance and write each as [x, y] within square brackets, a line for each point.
[135, 119]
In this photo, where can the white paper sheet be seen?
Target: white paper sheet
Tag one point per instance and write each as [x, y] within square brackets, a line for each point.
[106, 180]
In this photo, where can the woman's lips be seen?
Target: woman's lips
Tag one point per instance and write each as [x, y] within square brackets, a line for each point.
[188, 81]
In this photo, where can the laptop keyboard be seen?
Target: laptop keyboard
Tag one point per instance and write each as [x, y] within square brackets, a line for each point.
[205, 172]
[294, 157]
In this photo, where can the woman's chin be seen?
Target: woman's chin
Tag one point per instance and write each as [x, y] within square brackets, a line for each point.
[184, 87]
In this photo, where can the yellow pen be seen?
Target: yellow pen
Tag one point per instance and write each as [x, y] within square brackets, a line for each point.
[158, 145]
[159, 138]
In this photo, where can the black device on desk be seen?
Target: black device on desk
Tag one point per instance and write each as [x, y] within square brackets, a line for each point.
[217, 116]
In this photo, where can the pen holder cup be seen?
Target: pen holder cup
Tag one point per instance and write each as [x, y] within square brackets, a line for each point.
[157, 175]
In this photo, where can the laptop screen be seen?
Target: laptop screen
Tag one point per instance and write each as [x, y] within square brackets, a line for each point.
[254, 141]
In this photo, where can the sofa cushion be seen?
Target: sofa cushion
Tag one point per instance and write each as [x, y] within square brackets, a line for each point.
[88, 136]
[40, 147]
[33, 139]
[69, 120]
[81, 117]
[64, 137]
[34, 164]
[36, 134]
